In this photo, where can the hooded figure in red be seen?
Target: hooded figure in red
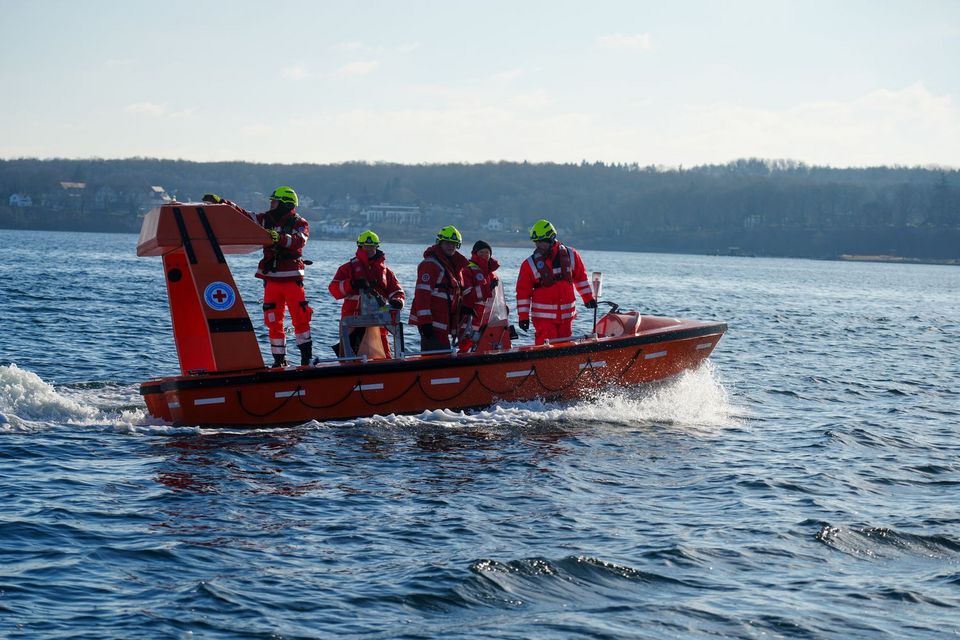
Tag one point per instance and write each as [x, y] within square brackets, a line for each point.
[366, 271]
[437, 298]
[479, 281]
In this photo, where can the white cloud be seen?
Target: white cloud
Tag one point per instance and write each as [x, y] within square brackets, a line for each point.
[257, 129]
[119, 62]
[355, 47]
[359, 68]
[507, 76]
[146, 109]
[348, 46]
[906, 126]
[626, 42]
[298, 72]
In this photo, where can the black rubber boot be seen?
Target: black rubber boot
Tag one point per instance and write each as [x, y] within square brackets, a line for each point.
[306, 353]
[279, 360]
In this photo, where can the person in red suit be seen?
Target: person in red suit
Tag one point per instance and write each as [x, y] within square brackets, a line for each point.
[366, 271]
[479, 280]
[282, 271]
[547, 286]
[436, 306]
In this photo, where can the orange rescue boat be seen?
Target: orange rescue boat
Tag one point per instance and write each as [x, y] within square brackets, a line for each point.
[224, 382]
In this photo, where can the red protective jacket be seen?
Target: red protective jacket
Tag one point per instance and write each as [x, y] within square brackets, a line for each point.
[378, 275]
[284, 260]
[545, 287]
[478, 280]
[437, 297]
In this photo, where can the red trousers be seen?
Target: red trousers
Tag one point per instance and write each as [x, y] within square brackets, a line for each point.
[551, 329]
[289, 294]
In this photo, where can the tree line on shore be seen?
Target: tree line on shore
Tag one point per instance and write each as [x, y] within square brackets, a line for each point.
[754, 206]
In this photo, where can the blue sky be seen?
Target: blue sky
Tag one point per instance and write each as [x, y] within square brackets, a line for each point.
[850, 83]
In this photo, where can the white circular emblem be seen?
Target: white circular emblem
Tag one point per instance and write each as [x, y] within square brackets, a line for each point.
[425, 277]
[479, 277]
[219, 296]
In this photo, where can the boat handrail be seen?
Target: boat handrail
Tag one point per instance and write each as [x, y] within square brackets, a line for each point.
[431, 352]
[362, 358]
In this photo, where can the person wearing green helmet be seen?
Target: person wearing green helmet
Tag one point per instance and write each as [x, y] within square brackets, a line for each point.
[548, 283]
[282, 272]
[436, 309]
[366, 271]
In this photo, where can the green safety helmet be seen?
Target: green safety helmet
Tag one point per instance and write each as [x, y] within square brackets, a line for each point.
[450, 234]
[542, 230]
[368, 239]
[286, 195]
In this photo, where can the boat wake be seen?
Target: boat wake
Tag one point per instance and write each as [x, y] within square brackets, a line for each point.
[695, 399]
[29, 403]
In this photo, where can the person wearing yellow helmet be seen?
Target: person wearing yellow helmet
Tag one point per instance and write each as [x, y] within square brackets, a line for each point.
[547, 285]
[436, 306]
[282, 272]
[366, 271]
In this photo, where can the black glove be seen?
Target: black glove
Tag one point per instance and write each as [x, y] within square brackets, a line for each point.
[590, 304]
[359, 284]
[494, 284]
[426, 330]
[524, 325]
[212, 197]
[396, 304]
[467, 312]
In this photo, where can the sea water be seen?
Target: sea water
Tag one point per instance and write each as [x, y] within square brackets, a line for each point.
[802, 484]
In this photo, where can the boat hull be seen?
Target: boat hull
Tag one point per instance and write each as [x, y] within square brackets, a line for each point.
[416, 383]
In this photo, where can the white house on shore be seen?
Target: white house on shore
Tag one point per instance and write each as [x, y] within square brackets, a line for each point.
[398, 214]
[494, 224]
[20, 200]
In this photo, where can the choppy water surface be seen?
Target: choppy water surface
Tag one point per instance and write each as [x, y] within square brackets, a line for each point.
[804, 484]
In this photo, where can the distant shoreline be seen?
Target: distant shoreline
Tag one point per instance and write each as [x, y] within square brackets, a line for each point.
[502, 239]
[897, 259]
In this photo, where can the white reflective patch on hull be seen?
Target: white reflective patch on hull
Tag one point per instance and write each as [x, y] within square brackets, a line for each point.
[202, 401]
[174, 405]
[369, 387]
[519, 374]
[704, 345]
[651, 356]
[445, 381]
[593, 365]
[287, 394]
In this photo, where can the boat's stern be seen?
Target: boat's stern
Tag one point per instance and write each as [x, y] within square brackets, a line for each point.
[156, 400]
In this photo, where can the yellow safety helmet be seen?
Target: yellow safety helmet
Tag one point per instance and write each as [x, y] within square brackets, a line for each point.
[542, 230]
[450, 234]
[368, 239]
[285, 195]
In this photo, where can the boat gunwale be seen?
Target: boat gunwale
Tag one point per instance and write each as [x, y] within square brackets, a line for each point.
[259, 376]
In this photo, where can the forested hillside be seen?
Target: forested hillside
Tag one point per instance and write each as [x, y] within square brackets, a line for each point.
[748, 206]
